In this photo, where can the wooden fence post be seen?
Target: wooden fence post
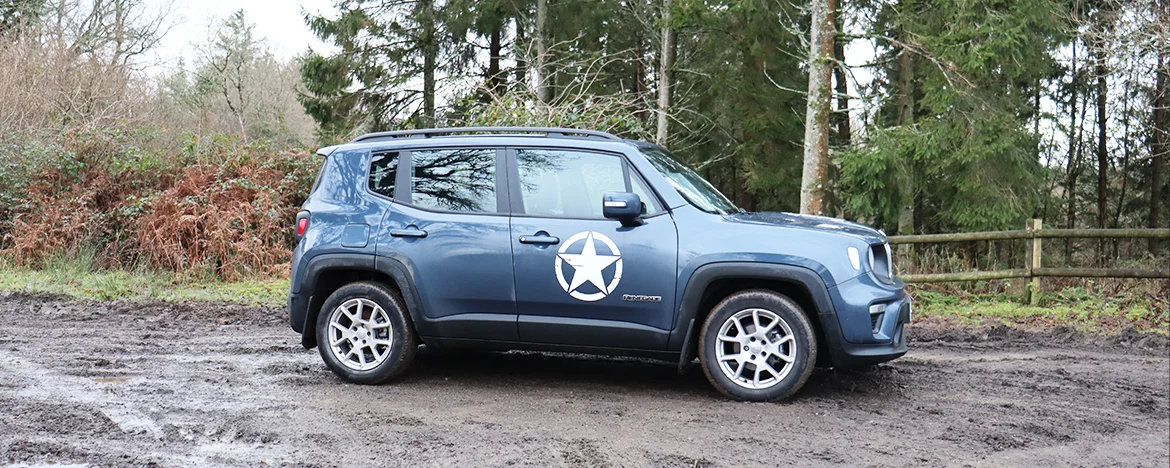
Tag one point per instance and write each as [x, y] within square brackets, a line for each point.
[1033, 268]
[1034, 288]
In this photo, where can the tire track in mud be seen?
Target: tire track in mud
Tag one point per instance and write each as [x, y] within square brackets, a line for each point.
[133, 384]
[50, 387]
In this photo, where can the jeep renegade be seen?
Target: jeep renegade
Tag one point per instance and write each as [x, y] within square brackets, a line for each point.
[579, 241]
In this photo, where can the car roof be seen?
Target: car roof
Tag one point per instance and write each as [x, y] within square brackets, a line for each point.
[487, 135]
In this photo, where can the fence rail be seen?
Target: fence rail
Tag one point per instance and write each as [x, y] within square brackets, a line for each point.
[1035, 270]
[1033, 234]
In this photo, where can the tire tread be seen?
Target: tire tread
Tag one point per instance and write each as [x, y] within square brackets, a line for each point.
[802, 325]
[406, 350]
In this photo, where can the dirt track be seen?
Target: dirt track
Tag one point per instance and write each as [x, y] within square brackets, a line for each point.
[125, 384]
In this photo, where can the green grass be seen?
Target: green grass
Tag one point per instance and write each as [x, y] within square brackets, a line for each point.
[109, 285]
[1073, 308]
[76, 276]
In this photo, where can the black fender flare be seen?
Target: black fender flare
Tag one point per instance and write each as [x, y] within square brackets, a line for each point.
[687, 322]
[345, 262]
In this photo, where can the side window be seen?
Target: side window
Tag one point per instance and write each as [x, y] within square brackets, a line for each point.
[639, 188]
[567, 183]
[383, 171]
[461, 180]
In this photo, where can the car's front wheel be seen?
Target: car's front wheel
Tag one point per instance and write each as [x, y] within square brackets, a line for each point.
[364, 333]
[757, 345]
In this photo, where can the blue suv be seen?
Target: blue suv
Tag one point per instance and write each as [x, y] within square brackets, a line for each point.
[570, 240]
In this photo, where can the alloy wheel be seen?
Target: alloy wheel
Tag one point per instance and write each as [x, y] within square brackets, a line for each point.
[360, 334]
[755, 348]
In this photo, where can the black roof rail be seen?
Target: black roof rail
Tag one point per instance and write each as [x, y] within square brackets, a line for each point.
[432, 132]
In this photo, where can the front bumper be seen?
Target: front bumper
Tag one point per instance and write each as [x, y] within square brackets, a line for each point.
[846, 354]
[868, 325]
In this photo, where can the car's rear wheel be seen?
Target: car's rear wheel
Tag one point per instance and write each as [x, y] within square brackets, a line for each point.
[757, 345]
[364, 333]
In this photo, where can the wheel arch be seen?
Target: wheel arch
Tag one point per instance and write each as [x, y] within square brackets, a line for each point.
[327, 273]
[712, 283]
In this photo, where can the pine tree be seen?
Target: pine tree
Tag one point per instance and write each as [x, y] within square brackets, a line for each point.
[17, 16]
[975, 66]
[386, 51]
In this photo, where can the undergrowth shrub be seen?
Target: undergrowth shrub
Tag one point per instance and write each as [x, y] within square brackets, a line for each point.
[217, 205]
[230, 211]
[71, 197]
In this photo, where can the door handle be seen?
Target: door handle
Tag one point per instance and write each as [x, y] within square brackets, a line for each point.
[539, 240]
[409, 232]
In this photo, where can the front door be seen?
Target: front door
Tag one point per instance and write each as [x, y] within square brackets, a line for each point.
[449, 228]
[582, 279]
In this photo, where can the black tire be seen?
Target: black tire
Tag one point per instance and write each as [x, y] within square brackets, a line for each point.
[403, 345]
[802, 349]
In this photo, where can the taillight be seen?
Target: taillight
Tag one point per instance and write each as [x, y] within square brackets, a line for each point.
[302, 225]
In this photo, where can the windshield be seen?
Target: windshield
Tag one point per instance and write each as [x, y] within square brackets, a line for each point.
[689, 184]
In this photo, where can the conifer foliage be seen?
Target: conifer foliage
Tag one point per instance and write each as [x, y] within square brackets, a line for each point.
[946, 114]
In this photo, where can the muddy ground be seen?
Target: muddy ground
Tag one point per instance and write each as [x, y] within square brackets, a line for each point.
[132, 384]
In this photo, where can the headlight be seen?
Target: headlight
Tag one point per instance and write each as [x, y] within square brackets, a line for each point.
[889, 261]
[855, 258]
[881, 262]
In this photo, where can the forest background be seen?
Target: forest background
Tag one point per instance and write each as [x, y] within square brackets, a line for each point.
[966, 115]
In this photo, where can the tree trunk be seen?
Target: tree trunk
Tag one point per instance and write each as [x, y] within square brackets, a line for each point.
[521, 63]
[1125, 135]
[1124, 169]
[119, 33]
[430, 53]
[816, 120]
[1102, 148]
[1161, 144]
[905, 77]
[639, 77]
[1073, 140]
[543, 92]
[495, 79]
[844, 135]
[834, 206]
[667, 61]
[1050, 180]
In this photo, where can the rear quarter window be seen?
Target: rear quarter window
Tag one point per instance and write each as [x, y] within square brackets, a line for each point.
[383, 172]
[320, 175]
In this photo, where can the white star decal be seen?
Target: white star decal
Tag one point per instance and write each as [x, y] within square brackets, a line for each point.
[587, 266]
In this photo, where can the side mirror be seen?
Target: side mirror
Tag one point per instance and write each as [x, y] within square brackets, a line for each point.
[622, 206]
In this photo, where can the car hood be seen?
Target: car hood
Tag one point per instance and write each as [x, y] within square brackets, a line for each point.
[816, 223]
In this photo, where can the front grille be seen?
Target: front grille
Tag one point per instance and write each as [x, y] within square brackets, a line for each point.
[882, 262]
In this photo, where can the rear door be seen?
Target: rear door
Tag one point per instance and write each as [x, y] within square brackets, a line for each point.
[449, 228]
[582, 279]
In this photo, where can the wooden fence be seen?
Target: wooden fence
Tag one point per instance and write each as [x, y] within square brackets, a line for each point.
[1035, 269]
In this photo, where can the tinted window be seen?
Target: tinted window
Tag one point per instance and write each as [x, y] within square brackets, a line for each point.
[383, 172]
[567, 183]
[454, 180]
